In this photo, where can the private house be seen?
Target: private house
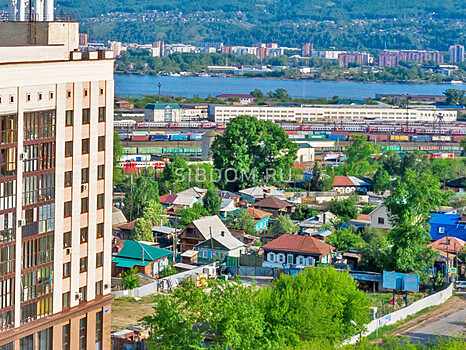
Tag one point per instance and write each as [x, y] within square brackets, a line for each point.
[380, 218]
[451, 245]
[167, 200]
[313, 225]
[296, 251]
[228, 207]
[451, 225]
[275, 205]
[220, 246]
[321, 235]
[181, 200]
[201, 230]
[458, 185]
[261, 218]
[148, 260]
[350, 184]
[257, 193]
[194, 192]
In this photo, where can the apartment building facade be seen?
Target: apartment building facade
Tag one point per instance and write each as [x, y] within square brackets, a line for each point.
[56, 154]
[326, 113]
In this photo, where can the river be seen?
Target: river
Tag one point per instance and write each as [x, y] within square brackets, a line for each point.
[128, 84]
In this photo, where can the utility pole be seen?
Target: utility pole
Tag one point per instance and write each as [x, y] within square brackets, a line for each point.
[211, 243]
[160, 86]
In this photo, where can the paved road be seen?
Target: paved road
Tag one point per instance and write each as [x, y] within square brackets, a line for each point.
[448, 325]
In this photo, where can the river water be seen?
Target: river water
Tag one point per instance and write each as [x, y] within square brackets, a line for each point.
[128, 84]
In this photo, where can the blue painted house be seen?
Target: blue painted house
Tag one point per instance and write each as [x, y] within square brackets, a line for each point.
[453, 225]
[261, 218]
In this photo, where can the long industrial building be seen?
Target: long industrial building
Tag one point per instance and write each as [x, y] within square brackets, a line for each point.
[327, 113]
[56, 155]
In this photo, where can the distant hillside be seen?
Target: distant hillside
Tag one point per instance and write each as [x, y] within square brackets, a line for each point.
[346, 24]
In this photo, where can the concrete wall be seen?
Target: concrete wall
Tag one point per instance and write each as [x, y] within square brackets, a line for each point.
[431, 300]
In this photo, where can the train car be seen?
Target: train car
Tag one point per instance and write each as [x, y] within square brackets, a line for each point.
[124, 136]
[142, 164]
[306, 127]
[378, 137]
[458, 138]
[156, 132]
[178, 137]
[291, 132]
[399, 138]
[139, 137]
[419, 138]
[316, 137]
[221, 126]
[208, 125]
[443, 155]
[159, 137]
[322, 133]
[337, 137]
[124, 123]
[441, 138]
[195, 137]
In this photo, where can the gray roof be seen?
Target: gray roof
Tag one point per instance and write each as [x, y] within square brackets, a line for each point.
[207, 223]
[193, 191]
[163, 229]
[118, 217]
[259, 191]
[228, 241]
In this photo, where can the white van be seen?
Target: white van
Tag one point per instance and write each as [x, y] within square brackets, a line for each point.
[460, 285]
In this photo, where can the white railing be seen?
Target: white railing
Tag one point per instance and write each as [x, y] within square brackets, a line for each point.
[431, 300]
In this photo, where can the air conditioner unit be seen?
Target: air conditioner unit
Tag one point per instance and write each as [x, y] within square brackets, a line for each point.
[68, 251]
[84, 187]
[79, 296]
[23, 156]
[21, 222]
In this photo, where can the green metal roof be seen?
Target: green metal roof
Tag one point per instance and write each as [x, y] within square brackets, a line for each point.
[162, 106]
[139, 253]
[129, 263]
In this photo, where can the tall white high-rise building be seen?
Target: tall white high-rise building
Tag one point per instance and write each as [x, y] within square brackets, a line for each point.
[56, 154]
[456, 53]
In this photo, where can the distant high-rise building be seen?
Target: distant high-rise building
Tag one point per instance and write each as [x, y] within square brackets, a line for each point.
[116, 47]
[262, 52]
[56, 147]
[307, 49]
[457, 53]
[392, 58]
[227, 49]
[272, 46]
[158, 48]
[83, 39]
[358, 58]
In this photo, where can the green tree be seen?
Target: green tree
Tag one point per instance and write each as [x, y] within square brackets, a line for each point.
[412, 199]
[345, 209]
[142, 231]
[211, 201]
[140, 192]
[454, 97]
[175, 176]
[258, 94]
[381, 180]
[242, 221]
[345, 239]
[319, 180]
[376, 252]
[190, 214]
[258, 151]
[283, 225]
[153, 212]
[117, 153]
[130, 279]
[360, 157]
[316, 305]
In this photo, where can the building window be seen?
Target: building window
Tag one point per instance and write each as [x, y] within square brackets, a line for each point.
[7, 261]
[83, 292]
[99, 288]
[98, 329]
[69, 118]
[12, 99]
[101, 91]
[67, 239]
[65, 337]
[83, 264]
[102, 112]
[7, 295]
[67, 269]
[99, 259]
[68, 148]
[68, 93]
[380, 221]
[100, 230]
[39, 96]
[44, 339]
[271, 257]
[289, 259]
[280, 258]
[86, 115]
[28, 97]
[101, 143]
[84, 205]
[66, 300]
[68, 209]
[85, 92]
[84, 234]
[100, 201]
[84, 175]
[68, 178]
[82, 333]
[100, 172]
[27, 342]
[51, 95]
[85, 146]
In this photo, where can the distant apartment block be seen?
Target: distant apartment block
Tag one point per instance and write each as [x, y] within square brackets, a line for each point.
[456, 53]
[327, 113]
[56, 142]
[392, 58]
[162, 112]
[116, 47]
[328, 54]
[307, 50]
[83, 39]
[356, 58]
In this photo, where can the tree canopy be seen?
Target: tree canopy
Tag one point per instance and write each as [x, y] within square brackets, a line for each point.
[211, 201]
[283, 225]
[142, 231]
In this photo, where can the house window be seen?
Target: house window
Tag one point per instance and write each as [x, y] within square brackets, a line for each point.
[67, 239]
[82, 333]
[99, 259]
[83, 292]
[100, 201]
[441, 230]
[86, 115]
[68, 178]
[68, 209]
[66, 299]
[271, 257]
[67, 269]
[102, 112]
[85, 146]
[84, 175]
[83, 235]
[281, 258]
[99, 288]
[101, 143]
[380, 220]
[83, 264]
[69, 118]
[84, 205]
[100, 230]
[100, 172]
[300, 260]
[69, 149]
[289, 259]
